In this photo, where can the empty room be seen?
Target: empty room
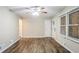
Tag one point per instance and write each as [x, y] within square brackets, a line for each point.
[39, 29]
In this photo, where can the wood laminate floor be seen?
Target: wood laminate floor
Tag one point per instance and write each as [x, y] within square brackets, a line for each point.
[36, 45]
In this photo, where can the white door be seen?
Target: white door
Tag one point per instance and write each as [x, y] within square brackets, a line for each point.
[20, 27]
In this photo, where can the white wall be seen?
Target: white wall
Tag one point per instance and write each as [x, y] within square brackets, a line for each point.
[36, 27]
[9, 27]
[67, 43]
[47, 28]
[33, 27]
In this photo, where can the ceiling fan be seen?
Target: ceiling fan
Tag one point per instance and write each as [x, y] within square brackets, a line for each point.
[32, 9]
[28, 8]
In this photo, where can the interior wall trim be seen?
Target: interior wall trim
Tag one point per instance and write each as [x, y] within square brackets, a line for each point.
[35, 36]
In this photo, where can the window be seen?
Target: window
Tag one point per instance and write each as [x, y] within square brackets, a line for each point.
[63, 30]
[74, 18]
[74, 25]
[74, 31]
[69, 25]
[63, 20]
[63, 25]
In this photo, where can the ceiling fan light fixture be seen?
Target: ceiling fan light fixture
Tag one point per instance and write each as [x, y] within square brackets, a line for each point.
[35, 14]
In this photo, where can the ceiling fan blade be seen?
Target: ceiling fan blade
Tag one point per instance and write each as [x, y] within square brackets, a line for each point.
[44, 12]
[42, 8]
[19, 9]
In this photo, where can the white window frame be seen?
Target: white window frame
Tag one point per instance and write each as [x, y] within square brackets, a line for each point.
[67, 25]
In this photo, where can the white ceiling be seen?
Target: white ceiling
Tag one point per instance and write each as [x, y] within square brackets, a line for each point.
[24, 11]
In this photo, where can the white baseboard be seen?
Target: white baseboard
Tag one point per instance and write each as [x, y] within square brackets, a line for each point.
[35, 36]
[9, 45]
